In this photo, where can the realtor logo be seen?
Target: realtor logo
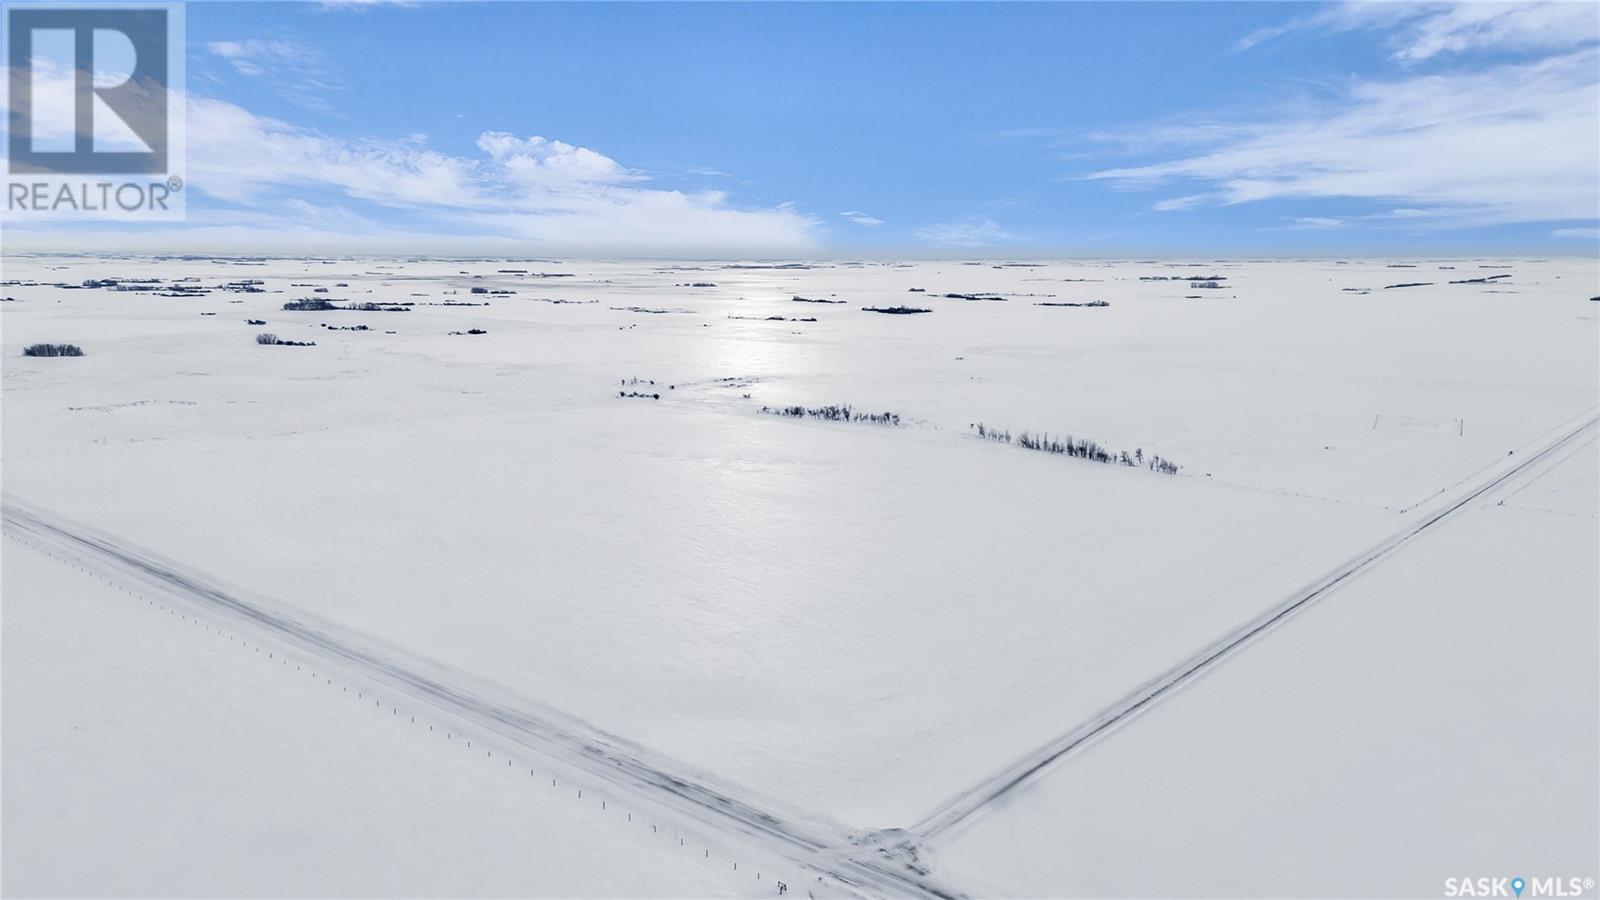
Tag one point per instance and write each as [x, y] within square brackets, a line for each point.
[140, 101]
[94, 90]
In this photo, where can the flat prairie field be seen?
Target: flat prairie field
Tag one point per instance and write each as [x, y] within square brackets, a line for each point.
[581, 481]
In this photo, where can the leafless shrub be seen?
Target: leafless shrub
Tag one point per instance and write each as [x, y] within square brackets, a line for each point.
[52, 350]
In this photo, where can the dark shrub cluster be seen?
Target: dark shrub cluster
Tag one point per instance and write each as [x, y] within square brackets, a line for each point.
[638, 395]
[895, 310]
[318, 303]
[1077, 448]
[799, 299]
[833, 413]
[309, 303]
[269, 339]
[1089, 303]
[52, 350]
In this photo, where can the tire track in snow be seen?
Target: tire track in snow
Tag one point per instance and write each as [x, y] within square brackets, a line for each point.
[967, 803]
[806, 840]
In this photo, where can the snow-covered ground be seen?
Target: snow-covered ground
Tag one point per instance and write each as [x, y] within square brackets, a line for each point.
[152, 755]
[1436, 719]
[848, 623]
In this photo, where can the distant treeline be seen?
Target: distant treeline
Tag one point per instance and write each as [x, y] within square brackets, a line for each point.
[1078, 448]
[833, 413]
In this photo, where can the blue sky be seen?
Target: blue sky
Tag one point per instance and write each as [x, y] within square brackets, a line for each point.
[1094, 129]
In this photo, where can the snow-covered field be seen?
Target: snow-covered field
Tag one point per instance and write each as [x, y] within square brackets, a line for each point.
[847, 624]
[148, 755]
[1435, 719]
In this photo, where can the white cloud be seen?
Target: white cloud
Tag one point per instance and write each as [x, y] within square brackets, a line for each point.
[1585, 234]
[539, 163]
[1188, 201]
[299, 73]
[237, 156]
[970, 232]
[1462, 27]
[563, 197]
[1318, 223]
[861, 218]
[247, 56]
[1421, 31]
[1510, 143]
[1338, 17]
[286, 186]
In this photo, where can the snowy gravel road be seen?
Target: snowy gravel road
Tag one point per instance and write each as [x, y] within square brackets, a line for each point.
[964, 805]
[822, 846]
